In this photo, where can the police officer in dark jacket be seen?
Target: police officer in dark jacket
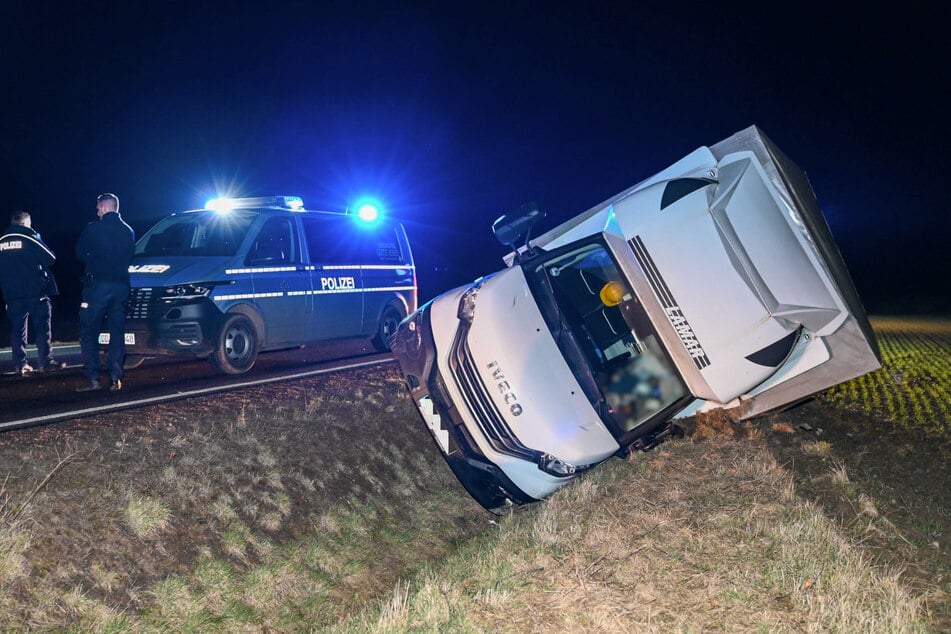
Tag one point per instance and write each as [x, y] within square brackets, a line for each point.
[106, 247]
[27, 284]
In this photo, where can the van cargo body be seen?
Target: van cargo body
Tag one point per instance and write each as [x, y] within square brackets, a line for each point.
[713, 284]
[257, 275]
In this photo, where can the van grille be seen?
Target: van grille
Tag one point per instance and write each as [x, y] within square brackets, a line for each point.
[137, 306]
[479, 402]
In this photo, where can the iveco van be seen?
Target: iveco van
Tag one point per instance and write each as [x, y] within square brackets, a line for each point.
[254, 274]
[713, 284]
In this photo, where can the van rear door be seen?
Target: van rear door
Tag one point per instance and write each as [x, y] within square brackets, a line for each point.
[388, 273]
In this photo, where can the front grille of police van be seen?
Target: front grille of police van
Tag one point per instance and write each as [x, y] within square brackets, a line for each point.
[479, 402]
[138, 304]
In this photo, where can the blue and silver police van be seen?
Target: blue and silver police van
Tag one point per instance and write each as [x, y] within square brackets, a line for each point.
[253, 274]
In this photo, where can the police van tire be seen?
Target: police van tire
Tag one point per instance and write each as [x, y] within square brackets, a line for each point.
[132, 361]
[237, 347]
[390, 319]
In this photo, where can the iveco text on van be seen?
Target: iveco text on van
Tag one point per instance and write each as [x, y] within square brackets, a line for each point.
[254, 274]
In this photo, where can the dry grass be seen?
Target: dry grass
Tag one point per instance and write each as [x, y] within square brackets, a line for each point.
[693, 537]
[323, 505]
[281, 508]
[14, 540]
[146, 516]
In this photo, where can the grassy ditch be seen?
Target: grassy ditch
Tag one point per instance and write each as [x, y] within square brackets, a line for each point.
[283, 508]
[707, 536]
[323, 505]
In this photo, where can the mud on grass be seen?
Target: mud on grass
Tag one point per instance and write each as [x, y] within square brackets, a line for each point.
[287, 504]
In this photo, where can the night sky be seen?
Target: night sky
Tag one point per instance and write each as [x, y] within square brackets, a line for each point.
[454, 116]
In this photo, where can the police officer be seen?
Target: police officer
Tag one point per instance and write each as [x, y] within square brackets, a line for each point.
[28, 284]
[105, 247]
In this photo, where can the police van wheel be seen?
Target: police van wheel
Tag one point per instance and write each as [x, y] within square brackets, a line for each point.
[388, 323]
[237, 346]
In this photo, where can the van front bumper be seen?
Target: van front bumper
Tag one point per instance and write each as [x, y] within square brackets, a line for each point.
[171, 327]
[415, 349]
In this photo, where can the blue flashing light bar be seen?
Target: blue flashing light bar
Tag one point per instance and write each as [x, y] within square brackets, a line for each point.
[224, 205]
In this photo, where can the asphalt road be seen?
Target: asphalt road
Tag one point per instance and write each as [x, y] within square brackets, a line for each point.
[51, 397]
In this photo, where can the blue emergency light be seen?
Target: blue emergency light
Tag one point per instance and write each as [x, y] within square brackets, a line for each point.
[368, 213]
[223, 205]
[368, 209]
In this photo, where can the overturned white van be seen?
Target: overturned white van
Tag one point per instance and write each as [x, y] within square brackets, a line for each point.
[713, 284]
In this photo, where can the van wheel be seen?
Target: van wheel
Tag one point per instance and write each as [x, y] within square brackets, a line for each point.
[133, 361]
[388, 323]
[237, 346]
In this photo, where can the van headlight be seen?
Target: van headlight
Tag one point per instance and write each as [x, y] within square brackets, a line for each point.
[186, 291]
[468, 301]
[555, 466]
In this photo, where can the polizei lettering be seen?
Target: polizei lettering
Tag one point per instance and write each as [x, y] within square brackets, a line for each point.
[336, 283]
[505, 389]
[687, 336]
[11, 244]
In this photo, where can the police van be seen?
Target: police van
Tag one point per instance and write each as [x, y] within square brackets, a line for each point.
[714, 284]
[253, 274]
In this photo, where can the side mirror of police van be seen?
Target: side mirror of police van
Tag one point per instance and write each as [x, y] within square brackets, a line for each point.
[516, 228]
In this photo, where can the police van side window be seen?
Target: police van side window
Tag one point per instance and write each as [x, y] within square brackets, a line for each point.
[275, 244]
[325, 241]
[338, 241]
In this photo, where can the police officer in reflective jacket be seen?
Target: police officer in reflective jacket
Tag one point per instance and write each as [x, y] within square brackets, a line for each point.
[27, 284]
[106, 247]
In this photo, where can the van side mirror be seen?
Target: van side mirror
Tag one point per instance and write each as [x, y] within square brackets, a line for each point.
[512, 229]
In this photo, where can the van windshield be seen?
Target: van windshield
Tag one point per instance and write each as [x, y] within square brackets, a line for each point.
[197, 234]
[605, 335]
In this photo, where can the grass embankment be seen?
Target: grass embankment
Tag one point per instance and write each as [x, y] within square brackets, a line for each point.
[318, 507]
[693, 537]
[283, 508]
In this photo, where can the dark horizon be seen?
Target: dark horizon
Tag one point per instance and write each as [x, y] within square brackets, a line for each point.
[453, 117]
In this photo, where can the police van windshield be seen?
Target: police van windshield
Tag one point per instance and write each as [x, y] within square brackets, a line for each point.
[197, 234]
[605, 335]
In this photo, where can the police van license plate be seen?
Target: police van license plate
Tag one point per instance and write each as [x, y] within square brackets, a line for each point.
[129, 338]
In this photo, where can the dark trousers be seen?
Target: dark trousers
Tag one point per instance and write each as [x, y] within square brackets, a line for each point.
[105, 299]
[40, 313]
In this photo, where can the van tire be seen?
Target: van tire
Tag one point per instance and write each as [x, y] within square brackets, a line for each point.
[237, 346]
[389, 321]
